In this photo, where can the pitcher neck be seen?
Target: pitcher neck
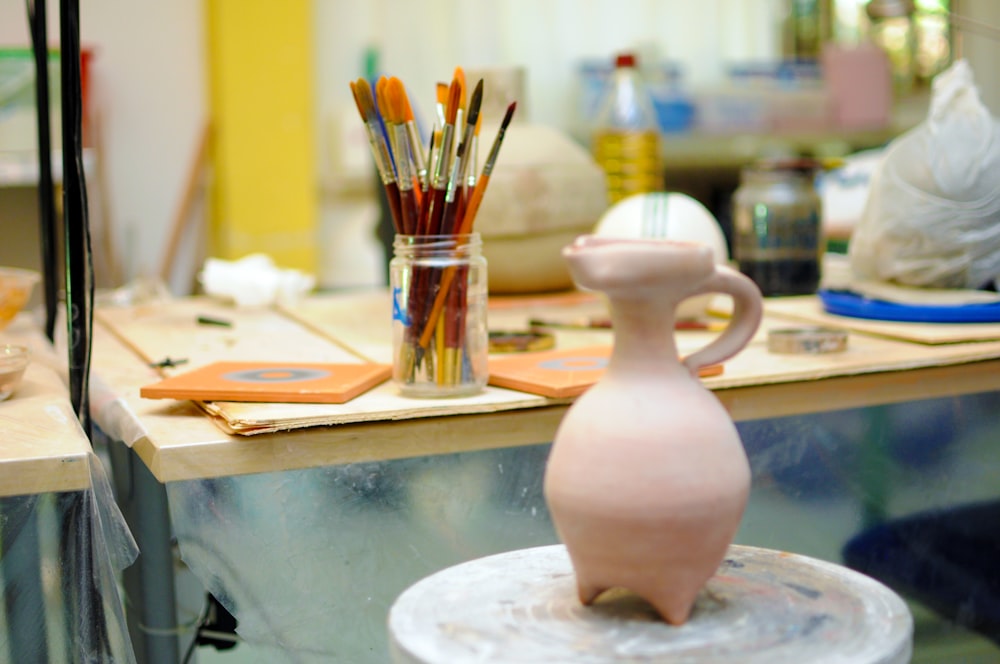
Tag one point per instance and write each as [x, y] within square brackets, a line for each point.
[644, 332]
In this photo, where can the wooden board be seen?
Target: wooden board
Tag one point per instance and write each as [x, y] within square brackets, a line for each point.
[171, 330]
[810, 310]
[356, 328]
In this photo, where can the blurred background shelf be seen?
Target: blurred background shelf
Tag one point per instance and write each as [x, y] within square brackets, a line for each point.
[731, 151]
[20, 168]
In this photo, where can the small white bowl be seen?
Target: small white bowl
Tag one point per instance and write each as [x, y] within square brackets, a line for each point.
[16, 285]
[13, 361]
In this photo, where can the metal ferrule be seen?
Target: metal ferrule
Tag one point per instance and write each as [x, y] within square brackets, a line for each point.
[404, 157]
[383, 164]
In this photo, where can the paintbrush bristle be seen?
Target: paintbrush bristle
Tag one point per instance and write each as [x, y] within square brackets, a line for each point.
[396, 100]
[366, 103]
[357, 102]
[382, 98]
[507, 116]
[383, 106]
[442, 93]
[463, 88]
[454, 96]
[495, 150]
[407, 109]
[475, 103]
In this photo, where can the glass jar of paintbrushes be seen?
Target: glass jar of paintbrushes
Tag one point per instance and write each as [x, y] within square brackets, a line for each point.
[439, 298]
[437, 274]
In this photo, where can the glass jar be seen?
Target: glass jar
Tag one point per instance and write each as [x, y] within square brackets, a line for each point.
[776, 227]
[893, 30]
[439, 298]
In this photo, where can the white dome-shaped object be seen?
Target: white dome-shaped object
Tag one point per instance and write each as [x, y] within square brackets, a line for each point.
[670, 216]
[667, 215]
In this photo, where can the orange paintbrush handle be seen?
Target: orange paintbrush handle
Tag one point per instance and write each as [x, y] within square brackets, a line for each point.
[435, 312]
[473, 205]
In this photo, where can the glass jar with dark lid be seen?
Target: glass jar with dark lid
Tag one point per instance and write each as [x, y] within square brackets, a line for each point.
[777, 239]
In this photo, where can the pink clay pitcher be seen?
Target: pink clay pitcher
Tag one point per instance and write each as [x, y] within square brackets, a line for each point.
[647, 479]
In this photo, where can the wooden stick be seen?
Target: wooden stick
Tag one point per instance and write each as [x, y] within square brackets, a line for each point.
[183, 213]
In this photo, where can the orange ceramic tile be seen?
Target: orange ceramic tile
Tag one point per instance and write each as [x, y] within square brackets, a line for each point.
[279, 382]
[558, 373]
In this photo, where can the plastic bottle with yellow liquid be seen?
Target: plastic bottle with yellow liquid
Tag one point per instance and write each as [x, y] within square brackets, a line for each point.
[626, 140]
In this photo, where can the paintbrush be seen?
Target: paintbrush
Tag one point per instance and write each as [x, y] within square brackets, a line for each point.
[434, 203]
[484, 179]
[381, 104]
[471, 177]
[387, 123]
[459, 76]
[439, 180]
[441, 101]
[449, 359]
[455, 300]
[416, 144]
[441, 94]
[395, 106]
[462, 159]
[383, 163]
[433, 156]
[474, 158]
[465, 226]
[388, 134]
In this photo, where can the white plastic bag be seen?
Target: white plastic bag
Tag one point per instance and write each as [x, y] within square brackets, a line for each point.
[932, 218]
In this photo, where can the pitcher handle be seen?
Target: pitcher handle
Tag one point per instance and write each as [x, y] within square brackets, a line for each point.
[747, 312]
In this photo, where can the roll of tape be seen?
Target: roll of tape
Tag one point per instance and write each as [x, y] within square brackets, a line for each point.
[806, 340]
[502, 341]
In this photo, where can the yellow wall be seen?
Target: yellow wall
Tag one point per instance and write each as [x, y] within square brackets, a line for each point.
[261, 96]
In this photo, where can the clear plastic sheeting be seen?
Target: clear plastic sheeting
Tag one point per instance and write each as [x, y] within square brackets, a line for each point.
[931, 216]
[60, 556]
[310, 561]
[117, 421]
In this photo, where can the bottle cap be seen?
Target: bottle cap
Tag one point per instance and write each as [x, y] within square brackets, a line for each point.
[625, 60]
[504, 341]
[806, 165]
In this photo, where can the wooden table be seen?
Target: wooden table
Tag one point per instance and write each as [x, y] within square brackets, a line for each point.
[177, 446]
[178, 442]
[48, 501]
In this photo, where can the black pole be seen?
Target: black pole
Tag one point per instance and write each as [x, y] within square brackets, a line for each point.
[80, 583]
[48, 230]
[79, 268]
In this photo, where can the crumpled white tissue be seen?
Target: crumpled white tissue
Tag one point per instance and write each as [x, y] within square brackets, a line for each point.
[254, 281]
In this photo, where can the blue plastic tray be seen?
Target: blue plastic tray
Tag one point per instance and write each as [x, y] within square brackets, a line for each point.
[847, 303]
